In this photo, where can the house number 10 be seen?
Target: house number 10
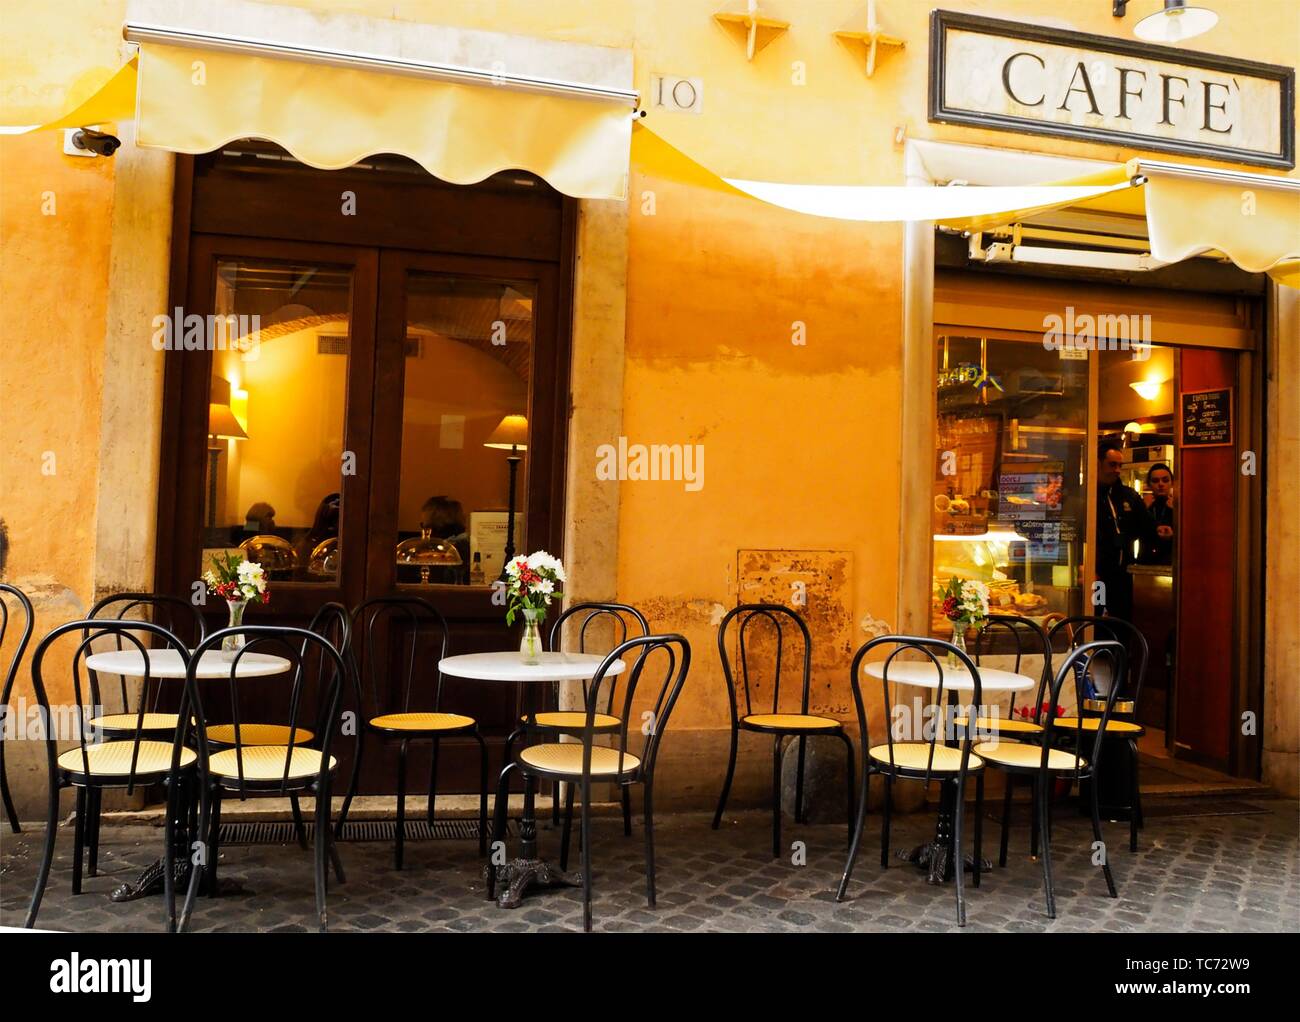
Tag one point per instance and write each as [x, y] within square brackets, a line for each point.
[671, 92]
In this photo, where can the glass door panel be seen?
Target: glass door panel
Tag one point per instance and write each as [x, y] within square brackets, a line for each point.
[277, 416]
[464, 434]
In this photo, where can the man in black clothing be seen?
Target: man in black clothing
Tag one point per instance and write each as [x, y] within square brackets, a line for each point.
[1121, 519]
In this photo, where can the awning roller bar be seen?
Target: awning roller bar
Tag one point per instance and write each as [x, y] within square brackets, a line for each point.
[1145, 168]
[138, 33]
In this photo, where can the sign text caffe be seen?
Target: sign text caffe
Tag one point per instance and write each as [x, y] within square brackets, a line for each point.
[1026, 78]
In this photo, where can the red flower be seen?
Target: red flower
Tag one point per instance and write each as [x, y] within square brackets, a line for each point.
[949, 605]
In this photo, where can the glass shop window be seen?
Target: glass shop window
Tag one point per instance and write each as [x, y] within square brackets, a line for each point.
[1009, 505]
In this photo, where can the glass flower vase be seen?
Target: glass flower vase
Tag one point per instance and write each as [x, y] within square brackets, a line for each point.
[958, 640]
[232, 644]
[530, 646]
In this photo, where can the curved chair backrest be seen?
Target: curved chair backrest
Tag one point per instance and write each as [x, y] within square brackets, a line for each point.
[130, 637]
[1081, 630]
[24, 637]
[397, 642]
[617, 616]
[180, 617]
[303, 649]
[1082, 662]
[673, 653]
[1029, 639]
[779, 621]
[941, 722]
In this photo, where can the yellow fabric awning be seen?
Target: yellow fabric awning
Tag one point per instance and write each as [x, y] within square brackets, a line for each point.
[196, 100]
[974, 207]
[108, 103]
[1254, 221]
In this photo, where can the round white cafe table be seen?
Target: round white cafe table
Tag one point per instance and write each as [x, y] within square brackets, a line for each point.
[510, 667]
[514, 877]
[922, 674]
[935, 856]
[167, 663]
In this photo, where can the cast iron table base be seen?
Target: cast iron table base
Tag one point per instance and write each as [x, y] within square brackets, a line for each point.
[513, 878]
[150, 881]
[935, 856]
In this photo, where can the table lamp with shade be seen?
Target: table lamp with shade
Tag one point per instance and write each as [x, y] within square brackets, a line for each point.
[510, 435]
[222, 426]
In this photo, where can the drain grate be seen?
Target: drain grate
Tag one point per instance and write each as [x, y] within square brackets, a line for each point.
[282, 832]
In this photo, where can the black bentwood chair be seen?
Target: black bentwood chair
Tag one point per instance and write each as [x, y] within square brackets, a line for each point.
[24, 637]
[584, 762]
[615, 617]
[936, 756]
[1043, 763]
[184, 620]
[127, 761]
[333, 623]
[1029, 640]
[781, 725]
[1122, 726]
[397, 644]
[317, 673]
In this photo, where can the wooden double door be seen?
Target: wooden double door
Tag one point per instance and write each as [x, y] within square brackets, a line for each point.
[366, 378]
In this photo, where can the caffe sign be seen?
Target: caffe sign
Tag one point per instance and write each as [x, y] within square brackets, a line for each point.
[1037, 80]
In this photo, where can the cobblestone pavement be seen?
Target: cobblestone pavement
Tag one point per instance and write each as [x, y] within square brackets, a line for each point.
[1201, 873]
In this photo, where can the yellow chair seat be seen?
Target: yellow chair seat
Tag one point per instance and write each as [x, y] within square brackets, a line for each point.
[572, 720]
[790, 722]
[916, 755]
[421, 722]
[1009, 725]
[266, 763]
[127, 722]
[113, 759]
[1015, 754]
[566, 758]
[1118, 727]
[258, 734]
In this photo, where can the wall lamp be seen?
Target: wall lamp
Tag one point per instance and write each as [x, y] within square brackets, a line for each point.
[1173, 24]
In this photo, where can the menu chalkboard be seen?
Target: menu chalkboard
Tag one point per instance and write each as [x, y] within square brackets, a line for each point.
[1207, 417]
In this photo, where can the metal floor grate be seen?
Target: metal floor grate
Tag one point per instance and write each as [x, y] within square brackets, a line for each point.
[282, 832]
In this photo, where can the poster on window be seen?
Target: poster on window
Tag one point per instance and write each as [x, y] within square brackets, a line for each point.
[1029, 500]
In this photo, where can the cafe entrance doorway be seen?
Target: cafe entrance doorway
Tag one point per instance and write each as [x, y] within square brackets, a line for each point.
[1020, 416]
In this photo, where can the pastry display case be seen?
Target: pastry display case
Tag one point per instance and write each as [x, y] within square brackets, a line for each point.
[1009, 508]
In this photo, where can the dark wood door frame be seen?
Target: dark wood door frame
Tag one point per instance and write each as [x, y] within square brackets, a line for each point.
[505, 227]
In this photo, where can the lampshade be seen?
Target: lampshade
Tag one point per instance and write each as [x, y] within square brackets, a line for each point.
[223, 424]
[1175, 23]
[1148, 390]
[511, 434]
[221, 420]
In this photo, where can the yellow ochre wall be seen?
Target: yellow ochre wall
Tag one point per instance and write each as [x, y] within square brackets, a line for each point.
[801, 441]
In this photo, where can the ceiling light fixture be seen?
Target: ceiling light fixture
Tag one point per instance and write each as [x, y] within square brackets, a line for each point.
[1174, 23]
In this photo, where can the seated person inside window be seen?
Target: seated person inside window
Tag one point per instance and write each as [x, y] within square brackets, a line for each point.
[324, 526]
